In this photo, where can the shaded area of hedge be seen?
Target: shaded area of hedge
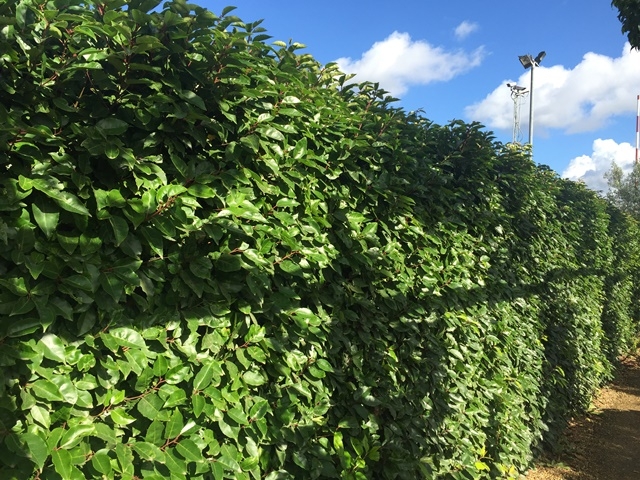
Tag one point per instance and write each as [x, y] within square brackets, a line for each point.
[219, 259]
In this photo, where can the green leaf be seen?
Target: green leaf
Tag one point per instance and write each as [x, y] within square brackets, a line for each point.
[41, 415]
[175, 465]
[198, 403]
[120, 229]
[67, 242]
[22, 306]
[253, 378]
[324, 365]
[227, 10]
[121, 417]
[193, 99]
[102, 463]
[177, 374]
[63, 463]
[228, 430]
[150, 406]
[201, 267]
[228, 263]
[79, 282]
[70, 203]
[230, 463]
[202, 191]
[46, 219]
[53, 348]
[149, 451]
[238, 415]
[74, 435]
[189, 450]
[206, 373]
[127, 337]
[287, 203]
[174, 425]
[259, 410]
[37, 449]
[178, 397]
[112, 285]
[112, 126]
[46, 390]
[272, 133]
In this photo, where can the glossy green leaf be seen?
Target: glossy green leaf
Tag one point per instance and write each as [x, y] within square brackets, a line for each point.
[238, 415]
[46, 390]
[47, 219]
[120, 229]
[121, 417]
[112, 126]
[149, 451]
[150, 406]
[102, 463]
[74, 435]
[62, 463]
[70, 203]
[253, 378]
[127, 337]
[53, 347]
[207, 372]
[189, 450]
[37, 449]
[41, 415]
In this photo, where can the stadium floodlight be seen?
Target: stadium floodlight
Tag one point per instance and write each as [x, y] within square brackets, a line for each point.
[528, 61]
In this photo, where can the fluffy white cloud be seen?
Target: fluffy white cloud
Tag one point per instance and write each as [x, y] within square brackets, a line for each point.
[591, 168]
[574, 100]
[399, 62]
[465, 29]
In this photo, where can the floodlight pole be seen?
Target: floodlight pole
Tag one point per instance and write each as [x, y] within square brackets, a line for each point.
[533, 67]
[528, 61]
[637, 128]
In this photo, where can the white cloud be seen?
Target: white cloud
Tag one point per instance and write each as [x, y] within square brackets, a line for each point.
[591, 168]
[465, 29]
[399, 62]
[574, 100]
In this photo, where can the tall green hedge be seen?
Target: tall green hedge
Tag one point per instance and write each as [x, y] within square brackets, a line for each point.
[219, 259]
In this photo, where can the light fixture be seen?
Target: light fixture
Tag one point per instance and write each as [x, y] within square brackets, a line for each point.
[528, 61]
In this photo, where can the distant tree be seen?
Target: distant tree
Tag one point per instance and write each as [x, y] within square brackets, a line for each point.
[624, 190]
[629, 15]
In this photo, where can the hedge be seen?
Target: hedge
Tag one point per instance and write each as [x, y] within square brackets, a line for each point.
[220, 259]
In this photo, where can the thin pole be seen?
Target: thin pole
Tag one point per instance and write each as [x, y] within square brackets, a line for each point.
[638, 129]
[533, 66]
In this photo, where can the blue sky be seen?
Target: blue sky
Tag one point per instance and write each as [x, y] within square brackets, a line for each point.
[453, 60]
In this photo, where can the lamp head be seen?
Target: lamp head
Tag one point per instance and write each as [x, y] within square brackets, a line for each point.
[540, 56]
[526, 61]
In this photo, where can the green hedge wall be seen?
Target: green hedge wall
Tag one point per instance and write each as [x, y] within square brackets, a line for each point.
[219, 259]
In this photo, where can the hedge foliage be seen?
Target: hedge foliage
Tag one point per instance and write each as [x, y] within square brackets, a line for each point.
[219, 259]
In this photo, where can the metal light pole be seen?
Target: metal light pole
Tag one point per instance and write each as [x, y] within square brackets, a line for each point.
[528, 61]
[637, 129]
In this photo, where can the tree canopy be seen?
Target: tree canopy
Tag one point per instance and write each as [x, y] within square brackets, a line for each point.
[629, 15]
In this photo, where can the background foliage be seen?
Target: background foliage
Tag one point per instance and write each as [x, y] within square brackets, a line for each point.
[629, 16]
[218, 259]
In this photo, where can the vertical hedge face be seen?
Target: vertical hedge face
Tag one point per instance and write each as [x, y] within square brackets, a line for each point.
[220, 260]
